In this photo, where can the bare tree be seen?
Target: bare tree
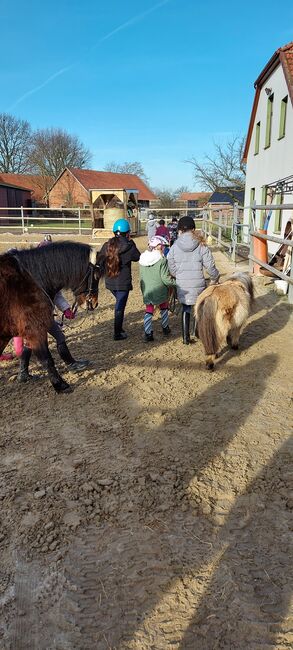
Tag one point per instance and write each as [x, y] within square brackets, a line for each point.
[55, 149]
[15, 142]
[127, 168]
[167, 197]
[224, 169]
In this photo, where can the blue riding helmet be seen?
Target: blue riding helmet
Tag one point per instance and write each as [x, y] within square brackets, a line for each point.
[121, 225]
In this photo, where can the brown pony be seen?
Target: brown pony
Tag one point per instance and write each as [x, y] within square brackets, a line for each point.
[29, 280]
[221, 311]
[26, 312]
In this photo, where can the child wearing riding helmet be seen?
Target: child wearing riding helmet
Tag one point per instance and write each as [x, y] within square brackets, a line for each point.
[115, 259]
[155, 281]
[187, 260]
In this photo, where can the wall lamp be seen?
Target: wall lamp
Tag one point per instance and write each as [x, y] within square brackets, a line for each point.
[268, 91]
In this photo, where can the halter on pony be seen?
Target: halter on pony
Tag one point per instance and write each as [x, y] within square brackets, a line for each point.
[89, 276]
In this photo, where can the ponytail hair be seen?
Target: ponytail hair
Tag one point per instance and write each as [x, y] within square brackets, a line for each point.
[112, 261]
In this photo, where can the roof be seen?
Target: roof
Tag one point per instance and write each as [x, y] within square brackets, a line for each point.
[15, 187]
[92, 179]
[194, 196]
[227, 196]
[33, 182]
[284, 57]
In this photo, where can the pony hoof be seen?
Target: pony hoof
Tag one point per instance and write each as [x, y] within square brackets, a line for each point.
[210, 366]
[235, 347]
[63, 388]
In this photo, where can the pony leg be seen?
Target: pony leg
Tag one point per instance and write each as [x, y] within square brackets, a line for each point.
[44, 356]
[4, 340]
[233, 338]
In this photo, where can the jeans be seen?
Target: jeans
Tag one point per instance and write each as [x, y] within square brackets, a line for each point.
[121, 299]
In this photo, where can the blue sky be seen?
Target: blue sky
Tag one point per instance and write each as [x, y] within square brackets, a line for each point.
[158, 82]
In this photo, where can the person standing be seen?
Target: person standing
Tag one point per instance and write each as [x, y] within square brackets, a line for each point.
[115, 259]
[188, 258]
[155, 281]
[151, 226]
[162, 230]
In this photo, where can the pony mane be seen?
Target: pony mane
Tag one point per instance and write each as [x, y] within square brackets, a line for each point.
[59, 265]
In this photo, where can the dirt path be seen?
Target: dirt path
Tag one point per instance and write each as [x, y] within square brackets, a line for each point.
[150, 508]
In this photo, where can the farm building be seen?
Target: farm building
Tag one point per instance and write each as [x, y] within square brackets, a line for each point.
[74, 187]
[13, 196]
[37, 185]
[190, 200]
[268, 150]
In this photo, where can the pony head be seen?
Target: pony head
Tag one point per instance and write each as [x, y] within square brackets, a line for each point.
[87, 294]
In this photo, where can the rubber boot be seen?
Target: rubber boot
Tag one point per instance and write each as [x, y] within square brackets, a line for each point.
[194, 328]
[23, 374]
[186, 327]
[71, 363]
[149, 337]
[119, 334]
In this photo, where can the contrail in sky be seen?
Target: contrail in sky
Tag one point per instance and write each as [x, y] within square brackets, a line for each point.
[128, 23]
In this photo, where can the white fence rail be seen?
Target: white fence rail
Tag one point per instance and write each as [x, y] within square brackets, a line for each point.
[28, 220]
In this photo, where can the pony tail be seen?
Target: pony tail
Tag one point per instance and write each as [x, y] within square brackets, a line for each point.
[206, 324]
[112, 262]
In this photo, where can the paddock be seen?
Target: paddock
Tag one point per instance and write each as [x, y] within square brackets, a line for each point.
[150, 508]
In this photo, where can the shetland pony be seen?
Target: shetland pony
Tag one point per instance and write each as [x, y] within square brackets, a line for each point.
[221, 311]
[29, 280]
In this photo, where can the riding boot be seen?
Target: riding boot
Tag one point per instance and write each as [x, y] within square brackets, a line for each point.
[186, 327]
[71, 363]
[119, 334]
[23, 374]
[194, 327]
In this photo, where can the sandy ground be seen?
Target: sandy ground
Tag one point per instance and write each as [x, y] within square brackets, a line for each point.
[150, 509]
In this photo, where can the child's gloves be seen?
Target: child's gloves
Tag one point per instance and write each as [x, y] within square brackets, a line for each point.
[69, 314]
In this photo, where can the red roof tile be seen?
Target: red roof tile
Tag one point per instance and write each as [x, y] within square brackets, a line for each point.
[194, 196]
[36, 184]
[91, 179]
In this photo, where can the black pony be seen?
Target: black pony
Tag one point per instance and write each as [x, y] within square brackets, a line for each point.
[29, 280]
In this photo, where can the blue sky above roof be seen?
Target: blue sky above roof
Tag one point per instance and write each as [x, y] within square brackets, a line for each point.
[157, 82]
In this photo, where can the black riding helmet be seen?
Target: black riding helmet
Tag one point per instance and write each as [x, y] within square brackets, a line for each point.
[186, 223]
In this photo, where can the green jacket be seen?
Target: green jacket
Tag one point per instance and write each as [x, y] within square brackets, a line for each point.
[155, 278]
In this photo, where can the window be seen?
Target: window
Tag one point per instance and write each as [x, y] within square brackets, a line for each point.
[283, 114]
[278, 214]
[252, 199]
[269, 120]
[257, 136]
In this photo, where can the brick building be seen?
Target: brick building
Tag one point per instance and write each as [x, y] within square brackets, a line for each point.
[73, 187]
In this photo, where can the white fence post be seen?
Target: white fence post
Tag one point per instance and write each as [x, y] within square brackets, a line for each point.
[79, 222]
[290, 290]
[22, 219]
[220, 228]
[234, 231]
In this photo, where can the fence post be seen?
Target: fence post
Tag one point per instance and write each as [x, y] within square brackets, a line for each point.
[251, 238]
[290, 290]
[234, 231]
[220, 228]
[79, 222]
[22, 219]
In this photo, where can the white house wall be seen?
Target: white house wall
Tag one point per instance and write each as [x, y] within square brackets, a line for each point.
[276, 161]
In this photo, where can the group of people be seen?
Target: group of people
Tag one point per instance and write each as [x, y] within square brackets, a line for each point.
[182, 269]
[169, 232]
